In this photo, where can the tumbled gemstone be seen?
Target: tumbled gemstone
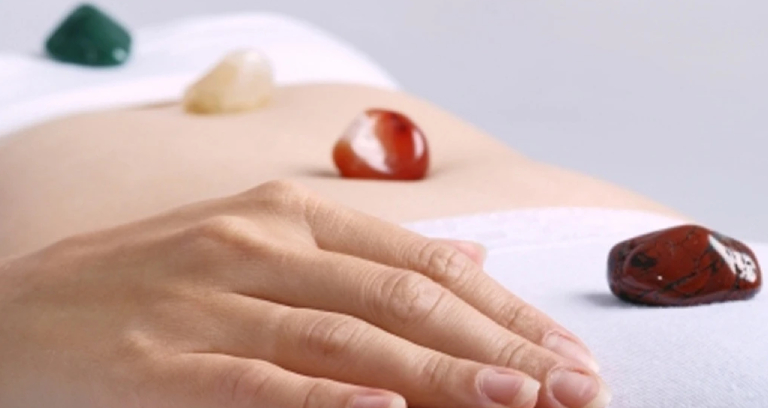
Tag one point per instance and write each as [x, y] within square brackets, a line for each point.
[242, 81]
[683, 266]
[382, 144]
[89, 37]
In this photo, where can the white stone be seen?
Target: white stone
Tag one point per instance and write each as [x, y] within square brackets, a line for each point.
[242, 81]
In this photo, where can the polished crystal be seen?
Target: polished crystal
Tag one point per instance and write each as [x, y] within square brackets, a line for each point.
[242, 81]
[88, 36]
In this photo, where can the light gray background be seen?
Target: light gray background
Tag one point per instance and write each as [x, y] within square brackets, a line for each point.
[666, 97]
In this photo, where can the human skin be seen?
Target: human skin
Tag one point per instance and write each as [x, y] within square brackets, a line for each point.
[231, 286]
[95, 170]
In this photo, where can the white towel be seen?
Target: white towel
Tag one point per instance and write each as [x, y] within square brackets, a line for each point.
[697, 357]
[168, 58]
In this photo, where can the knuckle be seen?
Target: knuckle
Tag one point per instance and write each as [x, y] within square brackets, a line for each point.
[447, 264]
[285, 198]
[435, 370]
[246, 386]
[515, 352]
[411, 298]
[515, 314]
[283, 193]
[220, 228]
[222, 239]
[277, 188]
[136, 343]
[316, 395]
[333, 336]
[225, 231]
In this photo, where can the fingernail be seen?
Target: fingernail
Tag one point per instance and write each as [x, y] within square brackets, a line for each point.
[476, 251]
[378, 401]
[578, 390]
[508, 388]
[568, 348]
[482, 252]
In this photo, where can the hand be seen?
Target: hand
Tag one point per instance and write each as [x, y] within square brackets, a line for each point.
[275, 298]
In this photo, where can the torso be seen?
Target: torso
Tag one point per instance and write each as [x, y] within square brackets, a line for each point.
[95, 170]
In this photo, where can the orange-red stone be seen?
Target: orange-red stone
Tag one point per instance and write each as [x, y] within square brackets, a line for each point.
[683, 266]
[382, 144]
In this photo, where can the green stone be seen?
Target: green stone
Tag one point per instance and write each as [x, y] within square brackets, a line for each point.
[89, 37]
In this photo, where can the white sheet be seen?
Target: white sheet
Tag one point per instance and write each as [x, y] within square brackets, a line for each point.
[699, 357]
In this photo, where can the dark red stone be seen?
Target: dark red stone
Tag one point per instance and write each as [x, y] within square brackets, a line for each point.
[382, 144]
[683, 266]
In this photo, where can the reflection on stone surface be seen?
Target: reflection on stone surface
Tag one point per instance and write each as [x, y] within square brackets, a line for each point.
[382, 144]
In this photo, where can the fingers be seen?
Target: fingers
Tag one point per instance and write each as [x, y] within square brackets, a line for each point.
[412, 307]
[476, 252]
[399, 301]
[338, 230]
[219, 381]
[346, 349]
[341, 230]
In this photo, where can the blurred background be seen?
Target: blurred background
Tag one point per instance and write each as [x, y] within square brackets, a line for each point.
[665, 97]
